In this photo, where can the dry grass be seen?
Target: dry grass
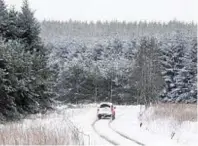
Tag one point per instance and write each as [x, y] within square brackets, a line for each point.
[175, 121]
[16, 135]
[179, 112]
[53, 129]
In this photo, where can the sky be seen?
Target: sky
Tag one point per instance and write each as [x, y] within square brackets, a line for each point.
[121, 10]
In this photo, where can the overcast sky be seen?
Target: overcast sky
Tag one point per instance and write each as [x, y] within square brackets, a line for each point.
[128, 10]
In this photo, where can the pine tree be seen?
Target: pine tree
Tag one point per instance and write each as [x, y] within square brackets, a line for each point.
[167, 73]
[29, 28]
[194, 69]
[191, 67]
[3, 18]
[179, 69]
[171, 59]
[180, 72]
[25, 81]
[3, 10]
[12, 32]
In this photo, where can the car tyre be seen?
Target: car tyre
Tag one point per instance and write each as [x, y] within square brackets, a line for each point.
[113, 117]
[99, 117]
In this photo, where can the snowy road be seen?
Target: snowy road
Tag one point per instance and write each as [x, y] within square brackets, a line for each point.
[124, 130]
[102, 134]
[104, 130]
[125, 136]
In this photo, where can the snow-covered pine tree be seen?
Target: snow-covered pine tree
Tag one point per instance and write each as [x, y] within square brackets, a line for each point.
[12, 32]
[3, 10]
[167, 62]
[29, 28]
[177, 68]
[3, 18]
[180, 72]
[191, 70]
[25, 81]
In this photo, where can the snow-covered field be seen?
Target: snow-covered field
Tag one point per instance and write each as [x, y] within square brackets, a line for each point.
[50, 129]
[78, 125]
[155, 133]
[179, 123]
[127, 123]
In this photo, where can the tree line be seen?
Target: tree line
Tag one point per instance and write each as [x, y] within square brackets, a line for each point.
[139, 71]
[57, 32]
[135, 62]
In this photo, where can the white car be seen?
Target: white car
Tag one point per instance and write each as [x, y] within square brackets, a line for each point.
[106, 109]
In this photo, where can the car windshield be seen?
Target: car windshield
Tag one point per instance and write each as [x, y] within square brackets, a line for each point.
[104, 105]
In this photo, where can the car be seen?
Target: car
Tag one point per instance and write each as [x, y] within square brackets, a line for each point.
[106, 109]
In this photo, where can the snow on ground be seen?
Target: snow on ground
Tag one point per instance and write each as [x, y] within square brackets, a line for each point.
[69, 123]
[154, 133]
[188, 133]
[102, 127]
[51, 129]
[84, 123]
[55, 127]
[184, 133]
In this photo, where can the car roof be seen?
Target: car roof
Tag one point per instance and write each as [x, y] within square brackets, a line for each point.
[108, 103]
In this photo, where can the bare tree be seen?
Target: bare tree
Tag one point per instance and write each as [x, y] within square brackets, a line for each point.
[147, 72]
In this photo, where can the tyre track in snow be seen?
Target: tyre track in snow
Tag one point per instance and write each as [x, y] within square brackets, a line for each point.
[103, 136]
[114, 135]
[125, 136]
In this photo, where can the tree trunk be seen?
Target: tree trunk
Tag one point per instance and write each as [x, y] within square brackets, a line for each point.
[96, 93]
